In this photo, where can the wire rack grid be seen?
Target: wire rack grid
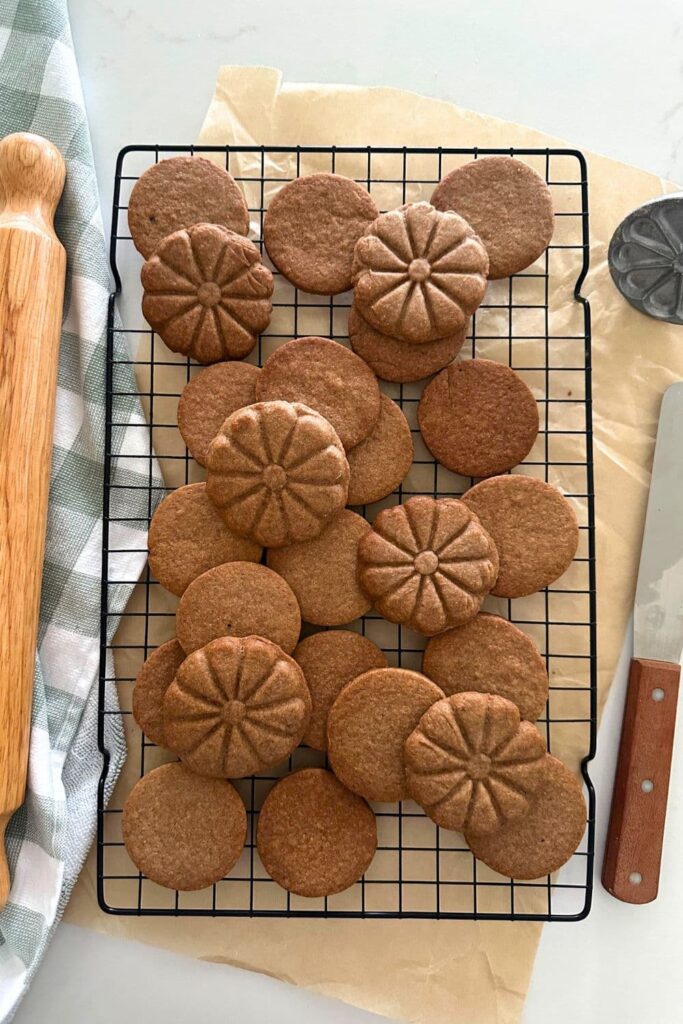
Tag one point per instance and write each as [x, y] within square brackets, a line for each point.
[538, 323]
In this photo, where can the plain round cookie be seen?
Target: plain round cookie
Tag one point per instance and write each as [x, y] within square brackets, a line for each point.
[489, 655]
[543, 840]
[471, 763]
[323, 572]
[180, 192]
[380, 462]
[329, 660]
[188, 535]
[396, 360]
[238, 599]
[509, 206]
[314, 837]
[237, 706]
[368, 725]
[478, 418]
[181, 830]
[209, 398]
[327, 377]
[533, 527]
[278, 472]
[311, 227]
[151, 683]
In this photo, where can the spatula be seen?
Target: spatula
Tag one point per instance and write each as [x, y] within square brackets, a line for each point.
[32, 268]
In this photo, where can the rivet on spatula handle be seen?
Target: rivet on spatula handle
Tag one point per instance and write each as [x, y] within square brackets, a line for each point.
[633, 852]
[32, 269]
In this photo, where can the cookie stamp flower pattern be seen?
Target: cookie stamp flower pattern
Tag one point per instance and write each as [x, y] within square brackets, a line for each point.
[278, 472]
[472, 764]
[235, 707]
[427, 564]
[419, 273]
[207, 293]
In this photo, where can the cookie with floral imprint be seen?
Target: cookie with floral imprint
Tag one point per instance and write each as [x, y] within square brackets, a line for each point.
[207, 293]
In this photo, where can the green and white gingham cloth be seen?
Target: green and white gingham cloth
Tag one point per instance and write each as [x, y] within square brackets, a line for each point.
[48, 838]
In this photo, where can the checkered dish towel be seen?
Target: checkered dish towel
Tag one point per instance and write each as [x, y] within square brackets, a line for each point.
[48, 838]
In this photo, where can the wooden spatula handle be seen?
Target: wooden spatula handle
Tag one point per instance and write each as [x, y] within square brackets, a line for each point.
[633, 853]
[32, 269]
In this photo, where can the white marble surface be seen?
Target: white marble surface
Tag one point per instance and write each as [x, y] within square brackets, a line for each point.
[605, 75]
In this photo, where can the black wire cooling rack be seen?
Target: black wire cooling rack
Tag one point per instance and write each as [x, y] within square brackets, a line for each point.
[537, 322]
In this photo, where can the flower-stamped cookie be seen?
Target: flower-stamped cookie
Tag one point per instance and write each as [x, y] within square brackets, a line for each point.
[419, 273]
[235, 707]
[471, 764]
[207, 293]
[428, 564]
[278, 472]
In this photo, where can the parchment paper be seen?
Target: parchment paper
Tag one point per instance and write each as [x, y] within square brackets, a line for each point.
[460, 972]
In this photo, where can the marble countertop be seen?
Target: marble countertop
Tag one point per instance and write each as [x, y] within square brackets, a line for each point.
[605, 76]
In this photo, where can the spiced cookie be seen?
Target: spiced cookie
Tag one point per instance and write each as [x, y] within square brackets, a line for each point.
[181, 830]
[489, 655]
[507, 203]
[207, 294]
[428, 564]
[472, 764]
[188, 535]
[209, 398]
[236, 707]
[545, 838]
[323, 572]
[329, 661]
[419, 273]
[278, 472]
[380, 462]
[478, 418]
[368, 725]
[327, 377]
[311, 227]
[238, 599]
[533, 527]
[180, 192]
[314, 837]
[152, 682]
[399, 361]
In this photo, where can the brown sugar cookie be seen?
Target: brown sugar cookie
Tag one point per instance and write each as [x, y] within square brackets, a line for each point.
[428, 564]
[399, 361]
[419, 273]
[368, 725]
[478, 418]
[472, 764]
[329, 661]
[151, 683]
[180, 192]
[238, 599]
[181, 830]
[323, 572]
[314, 837]
[207, 294]
[380, 462]
[545, 838]
[278, 472]
[489, 655]
[236, 707]
[311, 227]
[533, 527]
[209, 398]
[327, 377]
[188, 535]
[507, 203]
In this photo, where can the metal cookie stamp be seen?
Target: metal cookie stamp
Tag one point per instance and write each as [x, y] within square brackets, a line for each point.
[646, 258]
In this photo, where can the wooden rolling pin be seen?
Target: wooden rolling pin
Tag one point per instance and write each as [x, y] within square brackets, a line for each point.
[32, 269]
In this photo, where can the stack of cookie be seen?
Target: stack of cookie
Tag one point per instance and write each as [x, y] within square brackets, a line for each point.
[267, 541]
